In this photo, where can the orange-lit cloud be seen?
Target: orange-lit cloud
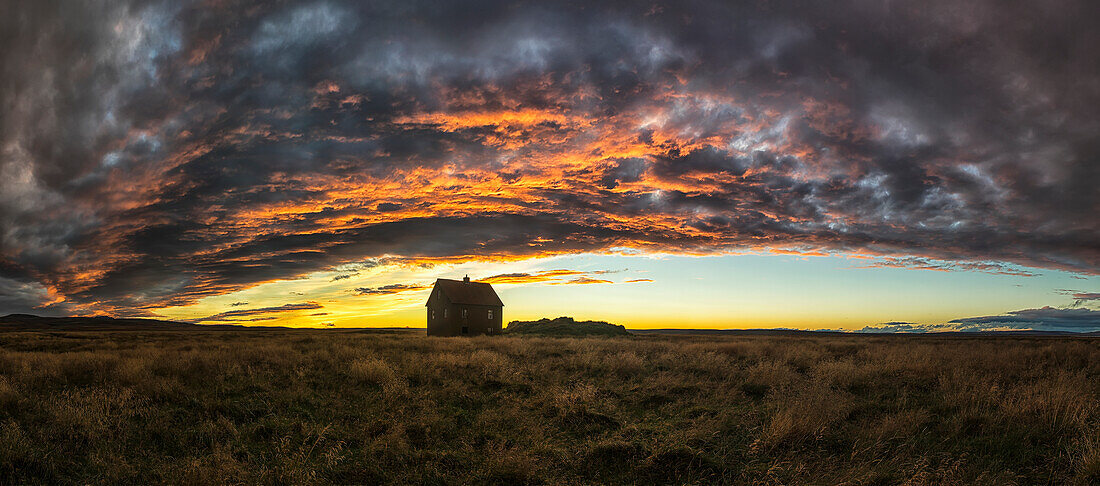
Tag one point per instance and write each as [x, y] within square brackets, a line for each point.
[524, 278]
[583, 281]
[553, 277]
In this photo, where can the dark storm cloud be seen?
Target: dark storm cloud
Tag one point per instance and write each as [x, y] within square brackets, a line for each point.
[153, 153]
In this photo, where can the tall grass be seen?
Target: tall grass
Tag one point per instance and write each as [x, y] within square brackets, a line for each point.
[307, 407]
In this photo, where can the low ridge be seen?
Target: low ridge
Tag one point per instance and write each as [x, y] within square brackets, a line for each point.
[28, 322]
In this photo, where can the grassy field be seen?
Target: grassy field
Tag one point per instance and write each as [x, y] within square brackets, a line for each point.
[305, 407]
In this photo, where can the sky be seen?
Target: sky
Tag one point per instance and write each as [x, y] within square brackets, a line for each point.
[880, 166]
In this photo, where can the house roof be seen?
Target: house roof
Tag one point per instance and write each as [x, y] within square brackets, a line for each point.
[471, 293]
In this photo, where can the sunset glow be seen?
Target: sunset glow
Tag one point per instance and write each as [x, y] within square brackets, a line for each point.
[707, 165]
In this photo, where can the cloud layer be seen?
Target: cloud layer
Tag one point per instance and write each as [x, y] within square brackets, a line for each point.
[154, 153]
[264, 313]
[1042, 319]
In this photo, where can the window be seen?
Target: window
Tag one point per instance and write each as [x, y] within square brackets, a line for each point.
[444, 312]
[433, 314]
[464, 313]
[490, 314]
[465, 330]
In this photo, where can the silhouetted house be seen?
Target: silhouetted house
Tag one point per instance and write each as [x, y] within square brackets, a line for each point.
[463, 308]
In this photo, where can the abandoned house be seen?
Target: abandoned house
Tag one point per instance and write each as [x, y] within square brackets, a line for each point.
[463, 308]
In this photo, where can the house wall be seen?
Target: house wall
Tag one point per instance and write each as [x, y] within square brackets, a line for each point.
[476, 322]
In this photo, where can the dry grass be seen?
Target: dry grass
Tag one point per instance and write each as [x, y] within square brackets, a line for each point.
[308, 407]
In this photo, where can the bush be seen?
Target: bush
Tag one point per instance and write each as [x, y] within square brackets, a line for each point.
[565, 326]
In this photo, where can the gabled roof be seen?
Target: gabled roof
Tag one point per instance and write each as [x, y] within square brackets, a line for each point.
[471, 293]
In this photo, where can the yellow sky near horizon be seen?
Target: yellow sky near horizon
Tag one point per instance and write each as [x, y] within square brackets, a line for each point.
[645, 291]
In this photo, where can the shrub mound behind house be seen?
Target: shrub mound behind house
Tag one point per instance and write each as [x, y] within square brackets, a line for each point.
[565, 326]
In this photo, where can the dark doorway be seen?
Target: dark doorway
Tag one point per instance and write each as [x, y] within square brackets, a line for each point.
[465, 330]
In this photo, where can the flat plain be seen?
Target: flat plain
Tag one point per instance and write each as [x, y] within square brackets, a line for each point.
[301, 407]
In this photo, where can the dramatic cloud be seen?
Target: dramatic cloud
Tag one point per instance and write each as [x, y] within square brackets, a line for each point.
[153, 153]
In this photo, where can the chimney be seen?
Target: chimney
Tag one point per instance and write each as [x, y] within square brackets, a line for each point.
[466, 279]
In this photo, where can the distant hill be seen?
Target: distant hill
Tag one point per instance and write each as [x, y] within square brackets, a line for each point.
[738, 332]
[565, 326]
[798, 332]
[27, 322]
